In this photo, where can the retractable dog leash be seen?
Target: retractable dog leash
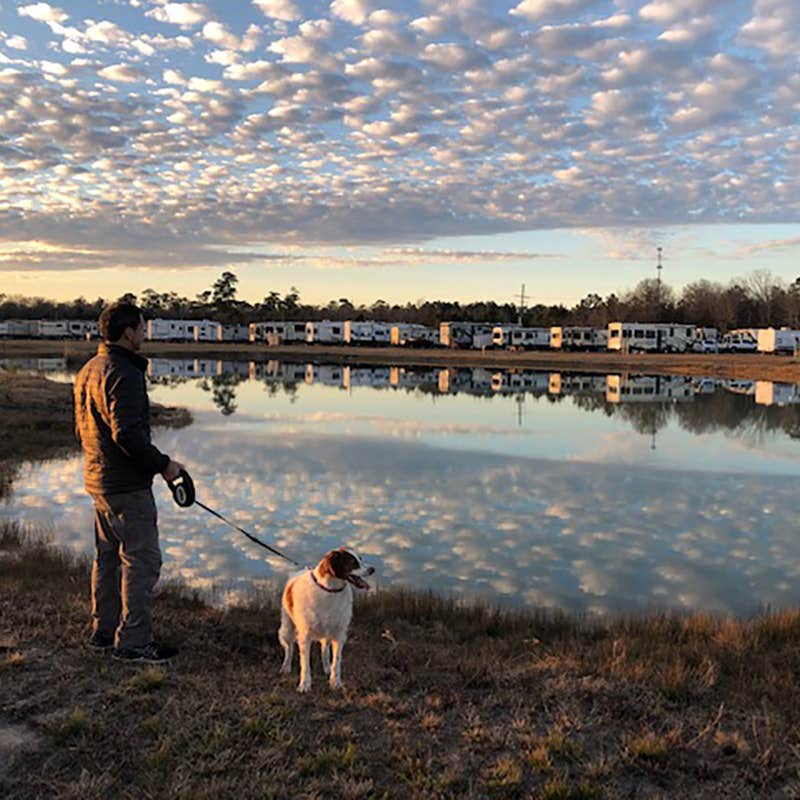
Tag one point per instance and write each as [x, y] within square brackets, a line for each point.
[184, 495]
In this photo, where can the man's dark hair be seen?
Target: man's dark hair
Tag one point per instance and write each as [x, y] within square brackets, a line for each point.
[116, 317]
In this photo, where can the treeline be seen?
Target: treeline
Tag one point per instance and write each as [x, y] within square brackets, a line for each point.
[758, 300]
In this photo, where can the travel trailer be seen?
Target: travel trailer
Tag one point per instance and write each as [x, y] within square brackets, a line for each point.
[406, 334]
[274, 333]
[368, 332]
[783, 340]
[207, 331]
[181, 330]
[639, 337]
[234, 333]
[325, 332]
[465, 334]
[578, 338]
[513, 337]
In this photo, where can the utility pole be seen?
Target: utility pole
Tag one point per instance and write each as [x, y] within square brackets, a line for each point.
[658, 284]
[521, 306]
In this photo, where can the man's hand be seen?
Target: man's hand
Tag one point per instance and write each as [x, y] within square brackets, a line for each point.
[172, 471]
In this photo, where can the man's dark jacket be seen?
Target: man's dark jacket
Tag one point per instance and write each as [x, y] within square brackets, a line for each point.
[112, 421]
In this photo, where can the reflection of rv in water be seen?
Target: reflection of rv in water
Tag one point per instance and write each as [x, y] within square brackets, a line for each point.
[648, 388]
[273, 371]
[464, 380]
[326, 374]
[183, 367]
[739, 386]
[783, 340]
[578, 338]
[408, 378]
[560, 383]
[769, 393]
[513, 337]
[376, 377]
[508, 381]
[635, 337]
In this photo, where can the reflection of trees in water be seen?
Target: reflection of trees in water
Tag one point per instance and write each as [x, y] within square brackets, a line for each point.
[289, 388]
[736, 415]
[223, 391]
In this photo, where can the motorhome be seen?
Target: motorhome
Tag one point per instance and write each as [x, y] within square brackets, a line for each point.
[465, 334]
[578, 338]
[406, 334]
[325, 332]
[741, 340]
[782, 340]
[513, 337]
[638, 337]
[368, 332]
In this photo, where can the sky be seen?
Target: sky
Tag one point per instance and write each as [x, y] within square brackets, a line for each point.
[397, 150]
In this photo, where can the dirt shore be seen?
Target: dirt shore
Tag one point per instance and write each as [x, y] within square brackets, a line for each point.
[756, 366]
[440, 702]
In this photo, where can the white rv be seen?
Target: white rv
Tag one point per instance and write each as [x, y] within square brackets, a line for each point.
[465, 334]
[407, 334]
[783, 340]
[578, 338]
[180, 330]
[368, 332]
[325, 332]
[49, 329]
[274, 333]
[234, 333]
[638, 337]
[513, 337]
[207, 331]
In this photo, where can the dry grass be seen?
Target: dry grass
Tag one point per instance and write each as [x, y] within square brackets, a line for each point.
[441, 701]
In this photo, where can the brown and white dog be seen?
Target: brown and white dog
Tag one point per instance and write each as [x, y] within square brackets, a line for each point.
[317, 606]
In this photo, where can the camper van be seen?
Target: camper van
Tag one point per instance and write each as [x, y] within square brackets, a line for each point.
[640, 337]
[578, 338]
[513, 337]
[783, 340]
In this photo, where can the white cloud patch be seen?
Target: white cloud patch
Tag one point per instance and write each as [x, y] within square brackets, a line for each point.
[187, 15]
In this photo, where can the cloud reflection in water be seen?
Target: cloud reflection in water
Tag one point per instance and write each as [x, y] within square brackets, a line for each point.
[582, 536]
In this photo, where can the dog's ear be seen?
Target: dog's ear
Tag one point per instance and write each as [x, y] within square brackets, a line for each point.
[326, 564]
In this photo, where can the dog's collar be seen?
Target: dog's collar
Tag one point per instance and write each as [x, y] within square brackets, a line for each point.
[325, 588]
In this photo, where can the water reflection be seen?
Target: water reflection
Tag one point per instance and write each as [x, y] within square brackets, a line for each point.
[527, 487]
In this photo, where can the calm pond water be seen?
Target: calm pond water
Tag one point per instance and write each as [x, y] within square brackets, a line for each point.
[589, 493]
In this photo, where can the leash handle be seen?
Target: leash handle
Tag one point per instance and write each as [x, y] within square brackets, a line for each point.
[182, 489]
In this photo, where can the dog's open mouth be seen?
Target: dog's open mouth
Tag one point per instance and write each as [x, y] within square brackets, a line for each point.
[357, 581]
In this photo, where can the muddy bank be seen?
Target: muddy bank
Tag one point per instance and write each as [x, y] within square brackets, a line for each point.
[37, 421]
[755, 366]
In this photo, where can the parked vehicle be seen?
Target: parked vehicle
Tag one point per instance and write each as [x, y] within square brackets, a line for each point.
[578, 338]
[405, 334]
[325, 332]
[783, 340]
[513, 337]
[465, 334]
[741, 340]
[368, 332]
[640, 337]
[275, 333]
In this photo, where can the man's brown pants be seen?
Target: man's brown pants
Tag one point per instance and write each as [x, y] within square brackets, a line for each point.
[127, 563]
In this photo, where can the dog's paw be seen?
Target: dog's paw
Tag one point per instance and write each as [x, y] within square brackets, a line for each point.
[334, 684]
[304, 688]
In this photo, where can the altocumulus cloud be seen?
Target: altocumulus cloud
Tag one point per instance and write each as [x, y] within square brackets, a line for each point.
[201, 131]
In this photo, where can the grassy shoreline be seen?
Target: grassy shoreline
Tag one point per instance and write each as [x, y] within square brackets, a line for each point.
[440, 701]
[759, 366]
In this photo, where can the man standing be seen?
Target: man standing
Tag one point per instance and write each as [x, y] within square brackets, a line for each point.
[112, 414]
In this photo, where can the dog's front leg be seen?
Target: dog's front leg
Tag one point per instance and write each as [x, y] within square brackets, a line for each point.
[335, 679]
[304, 646]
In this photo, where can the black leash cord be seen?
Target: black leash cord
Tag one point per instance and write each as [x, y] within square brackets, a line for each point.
[182, 488]
[248, 535]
